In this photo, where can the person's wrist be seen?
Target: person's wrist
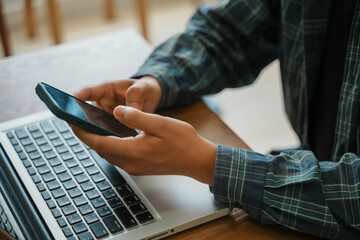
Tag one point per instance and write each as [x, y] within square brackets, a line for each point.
[204, 170]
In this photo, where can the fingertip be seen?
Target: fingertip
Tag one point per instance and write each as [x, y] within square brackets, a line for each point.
[80, 93]
[118, 111]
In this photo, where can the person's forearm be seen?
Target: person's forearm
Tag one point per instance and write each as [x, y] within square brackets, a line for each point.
[220, 48]
[292, 190]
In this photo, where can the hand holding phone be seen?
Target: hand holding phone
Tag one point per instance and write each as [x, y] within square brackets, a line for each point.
[80, 113]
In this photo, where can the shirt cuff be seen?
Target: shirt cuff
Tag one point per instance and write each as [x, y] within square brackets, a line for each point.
[239, 179]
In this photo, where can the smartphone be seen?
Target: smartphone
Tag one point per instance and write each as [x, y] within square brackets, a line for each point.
[80, 113]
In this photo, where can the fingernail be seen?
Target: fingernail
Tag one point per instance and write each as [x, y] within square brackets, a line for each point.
[118, 110]
[134, 105]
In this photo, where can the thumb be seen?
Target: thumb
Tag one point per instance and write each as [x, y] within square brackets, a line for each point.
[150, 123]
[135, 96]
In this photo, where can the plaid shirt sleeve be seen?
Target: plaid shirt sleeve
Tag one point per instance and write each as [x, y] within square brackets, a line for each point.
[220, 48]
[292, 190]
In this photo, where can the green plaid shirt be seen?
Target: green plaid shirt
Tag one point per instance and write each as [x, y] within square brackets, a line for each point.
[227, 45]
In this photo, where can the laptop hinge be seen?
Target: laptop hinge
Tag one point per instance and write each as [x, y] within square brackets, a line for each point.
[20, 202]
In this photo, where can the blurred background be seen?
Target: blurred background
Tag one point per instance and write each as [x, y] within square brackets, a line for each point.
[255, 113]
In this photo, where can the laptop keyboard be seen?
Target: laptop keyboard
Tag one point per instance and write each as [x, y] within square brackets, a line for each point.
[87, 196]
[5, 223]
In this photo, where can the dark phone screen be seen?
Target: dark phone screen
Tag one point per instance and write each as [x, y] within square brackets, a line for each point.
[88, 112]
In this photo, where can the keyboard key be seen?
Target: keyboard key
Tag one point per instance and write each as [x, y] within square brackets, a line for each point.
[61, 221]
[59, 169]
[70, 209]
[91, 218]
[49, 154]
[67, 135]
[77, 148]
[104, 185]
[36, 134]
[61, 125]
[61, 149]
[98, 177]
[66, 156]
[54, 162]
[99, 230]
[22, 155]
[76, 170]
[64, 176]
[72, 142]
[51, 204]
[138, 208]
[32, 128]
[144, 217]
[67, 232]
[82, 155]
[26, 141]
[46, 196]
[31, 171]
[125, 190]
[14, 141]
[41, 187]
[109, 170]
[130, 200]
[85, 236]
[87, 163]
[53, 136]
[27, 163]
[45, 147]
[86, 209]
[34, 155]
[18, 149]
[46, 126]
[39, 162]
[69, 184]
[62, 202]
[57, 142]
[81, 178]
[86, 186]
[92, 194]
[53, 185]
[71, 163]
[75, 193]
[113, 224]
[79, 201]
[125, 217]
[92, 170]
[104, 211]
[10, 135]
[79, 228]
[43, 169]
[115, 202]
[98, 202]
[48, 177]
[58, 193]
[109, 194]
[21, 133]
[56, 213]
[36, 179]
[30, 148]
[40, 141]
[73, 219]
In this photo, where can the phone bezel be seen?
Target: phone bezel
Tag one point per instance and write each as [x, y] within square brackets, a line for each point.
[46, 97]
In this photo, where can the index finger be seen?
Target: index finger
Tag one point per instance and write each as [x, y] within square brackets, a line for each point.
[94, 93]
[102, 144]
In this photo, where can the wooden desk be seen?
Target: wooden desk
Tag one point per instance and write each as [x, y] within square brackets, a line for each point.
[115, 56]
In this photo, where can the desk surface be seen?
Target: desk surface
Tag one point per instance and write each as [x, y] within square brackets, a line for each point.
[116, 56]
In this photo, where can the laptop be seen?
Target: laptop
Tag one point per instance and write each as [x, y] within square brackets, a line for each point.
[55, 187]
